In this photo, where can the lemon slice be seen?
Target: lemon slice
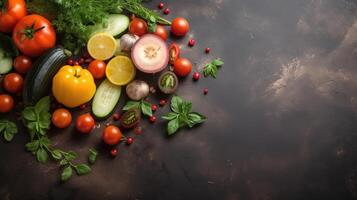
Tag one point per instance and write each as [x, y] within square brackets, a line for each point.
[120, 70]
[102, 46]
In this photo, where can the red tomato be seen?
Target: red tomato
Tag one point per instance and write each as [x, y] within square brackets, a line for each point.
[180, 26]
[138, 27]
[33, 35]
[97, 68]
[182, 67]
[112, 135]
[6, 103]
[174, 53]
[161, 32]
[61, 118]
[85, 123]
[13, 83]
[14, 10]
[22, 64]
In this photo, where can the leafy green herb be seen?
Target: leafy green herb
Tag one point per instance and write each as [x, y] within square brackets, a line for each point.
[92, 156]
[211, 68]
[9, 129]
[142, 105]
[37, 119]
[74, 19]
[181, 115]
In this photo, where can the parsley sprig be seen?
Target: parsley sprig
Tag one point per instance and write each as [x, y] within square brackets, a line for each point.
[181, 115]
[211, 68]
[37, 119]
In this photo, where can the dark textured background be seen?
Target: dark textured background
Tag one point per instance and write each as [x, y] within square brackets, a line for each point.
[282, 115]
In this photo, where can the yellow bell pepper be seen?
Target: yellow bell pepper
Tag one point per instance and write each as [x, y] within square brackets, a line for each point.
[73, 86]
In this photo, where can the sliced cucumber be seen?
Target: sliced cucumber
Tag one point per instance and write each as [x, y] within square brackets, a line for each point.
[5, 63]
[115, 25]
[105, 99]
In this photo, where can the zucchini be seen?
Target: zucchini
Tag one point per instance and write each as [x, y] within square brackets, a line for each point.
[39, 79]
[5, 62]
[105, 99]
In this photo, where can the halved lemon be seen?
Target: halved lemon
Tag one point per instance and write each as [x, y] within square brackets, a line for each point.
[120, 70]
[101, 46]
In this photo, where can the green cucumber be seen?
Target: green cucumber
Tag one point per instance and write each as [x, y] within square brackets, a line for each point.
[39, 79]
[115, 25]
[105, 99]
[5, 63]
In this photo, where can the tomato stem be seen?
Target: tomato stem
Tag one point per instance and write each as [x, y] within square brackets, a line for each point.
[30, 31]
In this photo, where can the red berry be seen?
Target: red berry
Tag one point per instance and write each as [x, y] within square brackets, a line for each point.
[69, 62]
[153, 107]
[167, 11]
[162, 102]
[138, 130]
[76, 63]
[196, 76]
[205, 91]
[191, 42]
[81, 61]
[116, 117]
[83, 106]
[114, 152]
[161, 5]
[129, 141]
[152, 119]
[207, 50]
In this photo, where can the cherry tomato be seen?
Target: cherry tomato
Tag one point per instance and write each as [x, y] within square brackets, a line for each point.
[112, 135]
[85, 123]
[12, 12]
[33, 35]
[97, 68]
[22, 64]
[180, 26]
[174, 53]
[13, 83]
[61, 118]
[138, 27]
[161, 32]
[6, 103]
[182, 67]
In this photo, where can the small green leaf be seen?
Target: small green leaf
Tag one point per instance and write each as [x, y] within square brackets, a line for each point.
[92, 156]
[41, 155]
[146, 108]
[29, 114]
[32, 146]
[63, 162]
[195, 118]
[131, 104]
[170, 116]
[211, 68]
[82, 169]
[66, 173]
[56, 154]
[45, 141]
[218, 62]
[176, 101]
[9, 129]
[71, 155]
[43, 105]
[173, 126]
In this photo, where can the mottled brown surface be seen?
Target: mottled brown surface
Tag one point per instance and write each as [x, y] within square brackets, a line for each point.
[282, 115]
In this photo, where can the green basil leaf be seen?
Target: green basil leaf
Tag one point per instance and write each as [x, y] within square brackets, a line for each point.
[185, 107]
[170, 116]
[218, 62]
[173, 126]
[41, 155]
[195, 118]
[146, 108]
[131, 104]
[8, 136]
[82, 169]
[71, 155]
[43, 105]
[92, 156]
[63, 162]
[176, 101]
[56, 154]
[32, 146]
[9, 129]
[29, 114]
[66, 173]
[45, 141]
